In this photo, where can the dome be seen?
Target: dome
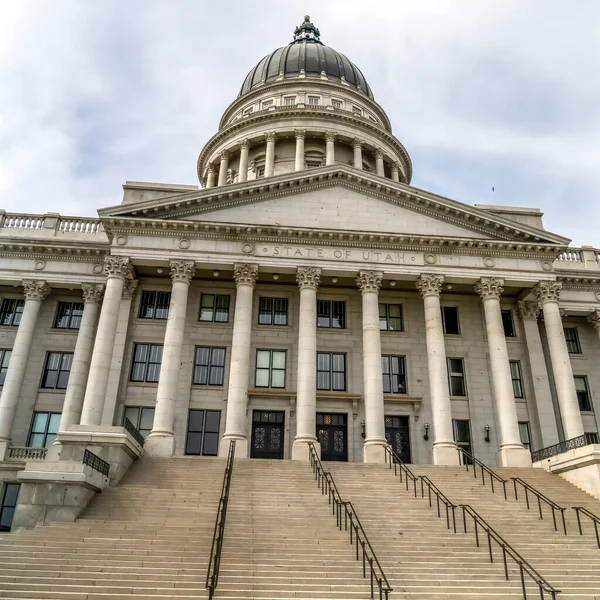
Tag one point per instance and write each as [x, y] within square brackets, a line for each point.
[306, 53]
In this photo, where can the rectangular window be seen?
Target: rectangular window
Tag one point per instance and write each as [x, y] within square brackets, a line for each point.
[4, 360]
[289, 101]
[141, 417]
[517, 380]
[260, 172]
[572, 340]
[356, 110]
[249, 110]
[146, 362]
[591, 438]
[203, 432]
[272, 311]
[462, 434]
[331, 372]
[390, 317]
[56, 370]
[209, 366]
[68, 315]
[313, 164]
[9, 503]
[44, 428]
[525, 435]
[270, 368]
[267, 104]
[155, 305]
[394, 374]
[456, 376]
[450, 320]
[337, 104]
[583, 393]
[11, 311]
[508, 324]
[331, 313]
[214, 307]
[313, 100]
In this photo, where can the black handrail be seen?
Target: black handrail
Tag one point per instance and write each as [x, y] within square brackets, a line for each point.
[450, 507]
[507, 550]
[594, 518]
[133, 431]
[347, 518]
[549, 451]
[400, 467]
[214, 562]
[95, 462]
[541, 498]
[463, 454]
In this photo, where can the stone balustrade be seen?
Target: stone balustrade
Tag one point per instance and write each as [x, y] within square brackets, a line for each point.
[20, 221]
[48, 224]
[578, 259]
[26, 453]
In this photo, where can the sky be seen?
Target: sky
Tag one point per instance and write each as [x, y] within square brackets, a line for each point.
[483, 94]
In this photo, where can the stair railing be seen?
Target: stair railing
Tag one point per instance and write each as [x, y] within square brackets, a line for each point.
[541, 498]
[400, 467]
[440, 499]
[507, 552]
[347, 520]
[466, 459]
[594, 518]
[214, 562]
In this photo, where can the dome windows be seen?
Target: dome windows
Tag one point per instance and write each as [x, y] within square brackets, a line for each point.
[289, 101]
[313, 101]
[337, 104]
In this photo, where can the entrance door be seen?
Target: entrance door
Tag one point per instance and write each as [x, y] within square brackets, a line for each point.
[332, 434]
[267, 434]
[398, 436]
[462, 436]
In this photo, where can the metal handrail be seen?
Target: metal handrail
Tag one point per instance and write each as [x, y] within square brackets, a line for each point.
[95, 462]
[594, 518]
[133, 431]
[463, 454]
[347, 518]
[450, 506]
[507, 550]
[214, 562]
[555, 449]
[541, 498]
[400, 467]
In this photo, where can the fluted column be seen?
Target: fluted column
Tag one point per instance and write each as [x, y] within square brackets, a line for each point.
[547, 293]
[223, 166]
[369, 283]
[236, 423]
[117, 269]
[329, 148]
[80, 367]
[511, 452]
[210, 177]
[379, 162]
[270, 155]
[395, 171]
[35, 292]
[594, 321]
[306, 398]
[444, 448]
[358, 161]
[161, 441]
[299, 161]
[244, 149]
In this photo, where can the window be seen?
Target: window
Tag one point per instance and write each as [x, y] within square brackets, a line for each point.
[507, 322]
[289, 101]
[141, 417]
[517, 381]
[270, 368]
[591, 438]
[450, 320]
[214, 307]
[394, 374]
[357, 111]
[260, 172]
[11, 311]
[56, 370]
[337, 104]
[209, 366]
[390, 317]
[313, 164]
[9, 503]
[68, 315]
[462, 436]
[583, 393]
[44, 428]
[203, 432]
[272, 311]
[331, 371]
[248, 111]
[313, 100]
[456, 376]
[267, 104]
[155, 305]
[331, 313]
[572, 340]
[146, 362]
[524, 434]
[4, 360]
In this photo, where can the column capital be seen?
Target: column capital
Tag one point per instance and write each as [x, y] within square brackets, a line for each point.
[356, 143]
[118, 266]
[430, 285]
[489, 288]
[369, 281]
[130, 288]
[92, 293]
[308, 277]
[182, 270]
[224, 155]
[245, 144]
[35, 290]
[210, 169]
[300, 133]
[396, 167]
[594, 320]
[528, 310]
[245, 274]
[330, 136]
[270, 136]
[547, 291]
[378, 153]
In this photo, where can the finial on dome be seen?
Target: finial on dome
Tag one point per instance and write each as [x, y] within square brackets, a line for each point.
[307, 32]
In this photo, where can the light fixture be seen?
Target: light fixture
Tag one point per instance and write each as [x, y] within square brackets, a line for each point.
[426, 428]
[159, 269]
[449, 286]
[216, 273]
[335, 280]
[363, 435]
[275, 276]
[487, 433]
[392, 283]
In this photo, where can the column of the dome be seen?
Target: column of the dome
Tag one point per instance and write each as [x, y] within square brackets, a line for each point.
[357, 145]
[299, 161]
[395, 171]
[244, 148]
[223, 167]
[379, 163]
[270, 154]
[210, 178]
[329, 148]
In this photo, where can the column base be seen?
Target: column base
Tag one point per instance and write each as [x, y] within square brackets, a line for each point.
[241, 446]
[301, 450]
[159, 445]
[445, 453]
[374, 451]
[513, 455]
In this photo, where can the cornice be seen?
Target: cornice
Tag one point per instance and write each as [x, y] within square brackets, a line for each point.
[34, 250]
[579, 282]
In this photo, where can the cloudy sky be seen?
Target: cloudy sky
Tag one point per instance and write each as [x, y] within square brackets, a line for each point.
[482, 93]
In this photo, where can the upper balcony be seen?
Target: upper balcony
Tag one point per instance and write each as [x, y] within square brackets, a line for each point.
[586, 258]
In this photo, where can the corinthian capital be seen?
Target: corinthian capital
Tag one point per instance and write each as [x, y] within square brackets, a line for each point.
[356, 143]
[300, 133]
[594, 320]
[489, 287]
[430, 285]
[308, 277]
[245, 144]
[369, 281]
[528, 310]
[92, 293]
[245, 274]
[35, 290]
[379, 153]
[224, 154]
[329, 136]
[547, 291]
[182, 270]
[130, 288]
[270, 136]
[117, 266]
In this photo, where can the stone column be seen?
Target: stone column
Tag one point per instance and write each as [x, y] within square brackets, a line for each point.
[369, 283]
[35, 293]
[161, 440]
[357, 145]
[444, 449]
[511, 452]
[547, 293]
[117, 269]
[308, 279]
[329, 148]
[395, 171]
[270, 156]
[223, 167]
[80, 368]
[299, 162]
[236, 423]
[210, 177]
[379, 162]
[244, 149]
[594, 321]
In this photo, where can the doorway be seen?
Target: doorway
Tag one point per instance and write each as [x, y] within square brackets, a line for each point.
[267, 434]
[462, 436]
[397, 435]
[332, 434]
